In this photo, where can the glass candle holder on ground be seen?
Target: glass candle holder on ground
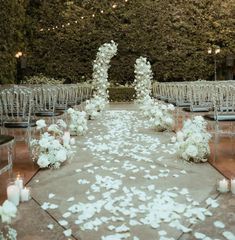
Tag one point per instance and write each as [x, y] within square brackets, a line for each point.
[25, 194]
[13, 192]
[223, 186]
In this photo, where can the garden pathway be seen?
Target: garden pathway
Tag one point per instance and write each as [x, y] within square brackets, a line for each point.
[125, 181]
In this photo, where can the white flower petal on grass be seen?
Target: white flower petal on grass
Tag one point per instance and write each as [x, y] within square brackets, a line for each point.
[45, 205]
[63, 222]
[118, 236]
[51, 195]
[66, 215]
[53, 206]
[229, 235]
[122, 228]
[199, 235]
[212, 202]
[219, 224]
[162, 233]
[70, 199]
[67, 232]
[50, 226]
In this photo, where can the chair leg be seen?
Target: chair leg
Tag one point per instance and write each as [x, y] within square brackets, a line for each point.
[216, 141]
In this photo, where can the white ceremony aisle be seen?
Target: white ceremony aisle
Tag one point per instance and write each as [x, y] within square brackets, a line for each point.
[126, 182]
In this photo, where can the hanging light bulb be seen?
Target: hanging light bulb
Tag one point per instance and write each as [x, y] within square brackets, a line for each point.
[114, 5]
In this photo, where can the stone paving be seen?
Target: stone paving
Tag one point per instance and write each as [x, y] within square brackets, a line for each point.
[126, 182]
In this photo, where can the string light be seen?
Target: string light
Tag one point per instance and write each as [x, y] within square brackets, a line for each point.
[114, 6]
[19, 54]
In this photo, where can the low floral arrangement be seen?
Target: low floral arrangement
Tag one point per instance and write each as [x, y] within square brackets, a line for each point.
[41, 79]
[143, 78]
[192, 142]
[7, 211]
[94, 106]
[161, 117]
[78, 122]
[54, 146]
[100, 68]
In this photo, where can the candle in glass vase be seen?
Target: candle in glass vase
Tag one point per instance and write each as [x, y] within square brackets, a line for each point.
[223, 186]
[13, 193]
[66, 138]
[25, 194]
[19, 182]
[233, 186]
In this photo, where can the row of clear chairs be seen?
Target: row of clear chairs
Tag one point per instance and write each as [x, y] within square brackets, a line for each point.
[22, 105]
[213, 100]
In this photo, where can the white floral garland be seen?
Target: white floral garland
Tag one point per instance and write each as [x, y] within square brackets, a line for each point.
[54, 146]
[78, 122]
[143, 78]
[100, 79]
[100, 68]
[192, 142]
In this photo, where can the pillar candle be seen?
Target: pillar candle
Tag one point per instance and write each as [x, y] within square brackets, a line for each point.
[25, 194]
[19, 182]
[13, 194]
[223, 186]
[233, 186]
[66, 138]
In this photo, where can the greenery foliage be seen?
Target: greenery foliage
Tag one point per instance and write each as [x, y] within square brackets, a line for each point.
[12, 20]
[121, 94]
[40, 79]
[173, 34]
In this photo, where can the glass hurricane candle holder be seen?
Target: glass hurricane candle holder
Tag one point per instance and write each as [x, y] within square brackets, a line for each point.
[233, 186]
[223, 186]
[25, 194]
[19, 181]
[13, 192]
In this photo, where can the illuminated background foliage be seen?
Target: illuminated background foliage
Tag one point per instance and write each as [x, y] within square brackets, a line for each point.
[173, 34]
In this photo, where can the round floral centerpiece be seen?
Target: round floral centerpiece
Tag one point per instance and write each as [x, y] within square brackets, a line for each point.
[192, 142]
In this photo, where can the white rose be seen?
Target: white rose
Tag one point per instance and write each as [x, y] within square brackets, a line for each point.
[191, 151]
[169, 121]
[180, 136]
[41, 124]
[43, 161]
[80, 129]
[44, 142]
[61, 155]
[7, 211]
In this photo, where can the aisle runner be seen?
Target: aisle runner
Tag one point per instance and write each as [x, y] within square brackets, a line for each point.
[129, 184]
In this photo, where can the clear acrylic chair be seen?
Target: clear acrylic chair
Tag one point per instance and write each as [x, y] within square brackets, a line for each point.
[45, 98]
[16, 104]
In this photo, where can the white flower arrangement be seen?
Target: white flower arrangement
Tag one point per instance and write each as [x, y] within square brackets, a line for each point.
[54, 146]
[78, 122]
[143, 78]
[100, 68]
[192, 142]
[94, 106]
[8, 211]
[161, 117]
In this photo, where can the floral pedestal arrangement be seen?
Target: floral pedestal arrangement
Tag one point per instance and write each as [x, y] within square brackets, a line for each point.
[192, 142]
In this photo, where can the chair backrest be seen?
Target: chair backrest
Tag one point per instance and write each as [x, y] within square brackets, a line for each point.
[16, 104]
[45, 98]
